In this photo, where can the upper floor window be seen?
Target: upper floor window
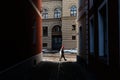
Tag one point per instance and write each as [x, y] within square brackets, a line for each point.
[73, 11]
[73, 27]
[57, 13]
[45, 14]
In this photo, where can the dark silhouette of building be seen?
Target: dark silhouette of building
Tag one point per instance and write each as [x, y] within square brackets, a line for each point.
[99, 34]
[20, 42]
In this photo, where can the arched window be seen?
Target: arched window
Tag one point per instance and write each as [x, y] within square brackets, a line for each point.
[73, 11]
[56, 29]
[45, 14]
[57, 13]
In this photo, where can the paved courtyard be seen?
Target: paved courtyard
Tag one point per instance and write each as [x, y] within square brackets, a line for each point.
[54, 57]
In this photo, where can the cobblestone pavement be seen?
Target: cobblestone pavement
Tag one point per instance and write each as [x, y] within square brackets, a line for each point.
[54, 57]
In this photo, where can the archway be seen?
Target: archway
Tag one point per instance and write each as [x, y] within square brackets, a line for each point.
[56, 37]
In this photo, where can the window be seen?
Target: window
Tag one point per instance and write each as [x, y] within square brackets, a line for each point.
[44, 44]
[56, 29]
[45, 14]
[73, 37]
[57, 13]
[73, 27]
[73, 11]
[45, 31]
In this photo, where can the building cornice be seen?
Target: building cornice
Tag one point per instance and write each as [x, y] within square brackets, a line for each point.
[69, 18]
[60, 19]
[51, 19]
[50, 0]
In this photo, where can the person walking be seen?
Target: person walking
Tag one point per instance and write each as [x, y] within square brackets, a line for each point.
[62, 54]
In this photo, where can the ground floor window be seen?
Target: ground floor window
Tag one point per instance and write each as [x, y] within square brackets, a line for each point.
[45, 31]
[45, 44]
[73, 37]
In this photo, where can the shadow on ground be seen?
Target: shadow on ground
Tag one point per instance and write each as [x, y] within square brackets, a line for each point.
[47, 70]
[59, 71]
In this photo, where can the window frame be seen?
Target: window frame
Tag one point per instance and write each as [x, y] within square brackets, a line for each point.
[45, 32]
[73, 27]
[45, 14]
[73, 11]
[73, 37]
[57, 13]
[45, 44]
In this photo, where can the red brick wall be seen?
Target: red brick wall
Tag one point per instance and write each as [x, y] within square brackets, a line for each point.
[16, 35]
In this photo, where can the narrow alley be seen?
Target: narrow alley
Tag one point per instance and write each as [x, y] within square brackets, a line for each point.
[52, 69]
[90, 27]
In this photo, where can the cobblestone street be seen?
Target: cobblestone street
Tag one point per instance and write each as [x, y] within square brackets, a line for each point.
[54, 57]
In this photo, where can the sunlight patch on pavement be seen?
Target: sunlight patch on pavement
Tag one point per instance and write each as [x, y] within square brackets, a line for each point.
[55, 57]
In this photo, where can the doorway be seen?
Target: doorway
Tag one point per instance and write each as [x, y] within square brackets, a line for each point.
[56, 37]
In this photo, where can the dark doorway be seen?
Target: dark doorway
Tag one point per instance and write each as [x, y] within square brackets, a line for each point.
[56, 37]
[56, 42]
